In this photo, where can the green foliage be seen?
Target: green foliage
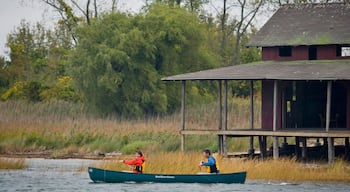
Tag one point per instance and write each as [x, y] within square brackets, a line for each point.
[121, 58]
[37, 58]
[29, 91]
[36, 91]
[4, 76]
[62, 90]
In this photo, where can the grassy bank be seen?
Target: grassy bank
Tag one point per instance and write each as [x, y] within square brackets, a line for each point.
[282, 169]
[6, 163]
[65, 128]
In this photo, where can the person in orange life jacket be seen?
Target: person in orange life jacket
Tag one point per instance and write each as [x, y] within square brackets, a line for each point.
[211, 163]
[137, 162]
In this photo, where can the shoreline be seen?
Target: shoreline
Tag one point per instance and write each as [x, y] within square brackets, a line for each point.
[287, 170]
[51, 155]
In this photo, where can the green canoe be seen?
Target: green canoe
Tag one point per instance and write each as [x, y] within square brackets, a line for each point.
[101, 175]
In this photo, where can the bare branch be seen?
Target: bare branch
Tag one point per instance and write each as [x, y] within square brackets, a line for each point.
[79, 8]
[95, 7]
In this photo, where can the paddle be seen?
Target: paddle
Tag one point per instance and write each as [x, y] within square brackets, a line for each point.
[200, 166]
[122, 161]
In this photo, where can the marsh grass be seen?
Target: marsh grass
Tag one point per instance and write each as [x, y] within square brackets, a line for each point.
[282, 169]
[68, 127]
[12, 163]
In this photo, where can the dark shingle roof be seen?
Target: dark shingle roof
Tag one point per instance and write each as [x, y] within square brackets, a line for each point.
[306, 24]
[274, 70]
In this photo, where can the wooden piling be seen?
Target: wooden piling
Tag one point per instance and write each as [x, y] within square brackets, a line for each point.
[224, 145]
[251, 139]
[328, 118]
[220, 137]
[183, 114]
[275, 138]
[347, 148]
[297, 147]
[304, 149]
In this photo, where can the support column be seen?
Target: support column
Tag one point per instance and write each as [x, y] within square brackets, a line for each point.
[330, 150]
[183, 114]
[297, 147]
[304, 149]
[220, 137]
[328, 118]
[347, 148]
[225, 118]
[251, 140]
[262, 145]
[275, 138]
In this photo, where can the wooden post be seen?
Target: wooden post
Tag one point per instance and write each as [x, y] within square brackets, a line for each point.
[328, 117]
[275, 138]
[304, 149]
[220, 117]
[262, 145]
[328, 106]
[251, 141]
[183, 114]
[297, 147]
[225, 118]
[347, 148]
[330, 150]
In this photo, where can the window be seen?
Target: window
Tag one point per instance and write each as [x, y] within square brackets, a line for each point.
[285, 51]
[343, 51]
[312, 53]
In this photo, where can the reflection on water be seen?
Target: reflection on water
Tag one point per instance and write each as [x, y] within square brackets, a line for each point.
[62, 175]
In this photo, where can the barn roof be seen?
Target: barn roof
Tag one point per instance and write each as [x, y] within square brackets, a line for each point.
[306, 24]
[274, 70]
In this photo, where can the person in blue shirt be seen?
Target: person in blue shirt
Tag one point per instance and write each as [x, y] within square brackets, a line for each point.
[211, 163]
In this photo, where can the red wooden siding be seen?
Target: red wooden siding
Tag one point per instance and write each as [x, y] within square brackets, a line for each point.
[328, 52]
[272, 54]
[267, 106]
[324, 52]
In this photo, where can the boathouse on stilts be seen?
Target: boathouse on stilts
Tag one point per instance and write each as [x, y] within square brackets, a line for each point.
[305, 77]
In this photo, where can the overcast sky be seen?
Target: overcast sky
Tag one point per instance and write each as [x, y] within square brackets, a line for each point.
[13, 11]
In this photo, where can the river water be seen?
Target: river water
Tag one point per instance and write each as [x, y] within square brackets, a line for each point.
[62, 175]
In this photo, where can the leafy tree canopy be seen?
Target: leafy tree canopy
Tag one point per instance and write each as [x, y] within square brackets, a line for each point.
[120, 59]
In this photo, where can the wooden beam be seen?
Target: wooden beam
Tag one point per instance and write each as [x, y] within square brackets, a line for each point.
[220, 104]
[251, 139]
[183, 114]
[262, 146]
[347, 148]
[304, 149]
[251, 104]
[225, 118]
[328, 118]
[260, 132]
[328, 105]
[220, 140]
[330, 150]
[297, 147]
[275, 138]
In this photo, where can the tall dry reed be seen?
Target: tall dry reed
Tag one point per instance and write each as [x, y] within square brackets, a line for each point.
[11, 163]
[282, 169]
[61, 125]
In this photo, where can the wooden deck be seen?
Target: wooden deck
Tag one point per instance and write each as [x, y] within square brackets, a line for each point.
[310, 133]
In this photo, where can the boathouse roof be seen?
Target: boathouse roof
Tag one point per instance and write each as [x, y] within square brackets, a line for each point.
[274, 70]
[306, 24]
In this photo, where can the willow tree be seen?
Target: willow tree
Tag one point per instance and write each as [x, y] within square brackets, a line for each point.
[120, 59]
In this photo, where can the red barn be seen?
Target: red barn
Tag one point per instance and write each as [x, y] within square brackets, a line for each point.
[305, 75]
